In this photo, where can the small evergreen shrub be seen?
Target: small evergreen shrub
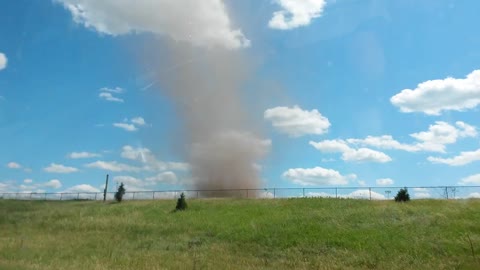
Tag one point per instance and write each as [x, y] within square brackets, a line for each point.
[402, 195]
[181, 203]
[120, 192]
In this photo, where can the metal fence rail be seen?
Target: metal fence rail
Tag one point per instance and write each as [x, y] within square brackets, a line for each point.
[369, 193]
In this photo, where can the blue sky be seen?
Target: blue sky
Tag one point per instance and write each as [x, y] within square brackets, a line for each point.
[347, 93]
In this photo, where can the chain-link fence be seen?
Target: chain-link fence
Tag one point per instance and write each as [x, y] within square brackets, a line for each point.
[368, 193]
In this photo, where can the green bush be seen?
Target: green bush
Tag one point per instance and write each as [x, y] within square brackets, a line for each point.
[120, 192]
[181, 203]
[402, 195]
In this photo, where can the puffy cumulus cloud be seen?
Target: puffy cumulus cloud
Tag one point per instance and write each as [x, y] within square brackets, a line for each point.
[143, 155]
[421, 193]
[331, 146]
[110, 97]
[442, 133]
[128, 180]
[54, 183]
[113, 166]
[126, 126]
[164, 178]
[474, 195]
[81, 188]
[14, 165]
[350, 154]
[297, 122]
[78, 155]
[296, 13]
[470, 180]
[460, 160]
[366, 155]
[136, 184]
[109, 94]
[385, 181]
[139, 121]
[434, 96]
[384, 142]
[202, 23]
[59, 168]
[434, 139]
[316, 176]
[3, 61]
[131, 124]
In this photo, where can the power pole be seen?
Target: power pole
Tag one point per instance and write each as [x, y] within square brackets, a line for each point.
[105, 190]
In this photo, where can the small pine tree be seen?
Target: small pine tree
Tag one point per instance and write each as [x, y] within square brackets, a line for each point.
[120, 192]
[402, 195]
[181, 203]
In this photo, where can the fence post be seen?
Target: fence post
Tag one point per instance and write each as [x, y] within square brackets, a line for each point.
[153, 195]
[247, 192]
[370, 192]
[303, 192]
[274, 193]
[61, 195]
[446, 192]
[336, 193]
[96, 196]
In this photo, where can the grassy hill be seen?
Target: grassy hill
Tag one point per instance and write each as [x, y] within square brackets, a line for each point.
[241, 234]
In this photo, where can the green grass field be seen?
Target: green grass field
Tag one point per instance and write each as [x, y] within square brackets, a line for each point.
[241, 234]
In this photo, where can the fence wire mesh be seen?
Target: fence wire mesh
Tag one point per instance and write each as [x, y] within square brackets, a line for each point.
[368, 193]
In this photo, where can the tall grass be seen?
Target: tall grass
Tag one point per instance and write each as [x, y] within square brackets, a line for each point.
[241, 234]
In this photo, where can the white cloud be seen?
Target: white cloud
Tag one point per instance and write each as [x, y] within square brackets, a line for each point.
[434, 140]
[54, 183]
[116, 90]
[113, 166]
[143, 155]
[384, 182]
[139, 121]
[14, 165]
[434, 96]
[129, 181]
[470, 180]
[135, 123]
[164, 177]
[384, 142]
[474, 195]
[366, 155]
[316, 176]
[297, 122]
[202, 23]
[331, 146]
[27, 181]
[364, 194]
[350, 154]
[77, 155]
[59, 168]
[125, 126]
[422, 195]
[296, 13]
[178, 166]
[81, 188]
[3, 61]
[109, 97]
[460, 160]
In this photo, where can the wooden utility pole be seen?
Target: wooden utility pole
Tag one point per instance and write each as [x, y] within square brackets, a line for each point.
[105, 190]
